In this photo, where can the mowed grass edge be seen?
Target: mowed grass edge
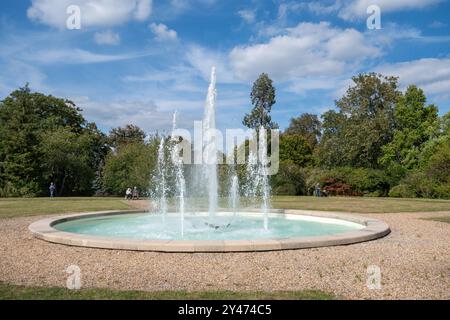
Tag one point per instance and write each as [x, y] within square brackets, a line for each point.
[18, 207]
[16, 292]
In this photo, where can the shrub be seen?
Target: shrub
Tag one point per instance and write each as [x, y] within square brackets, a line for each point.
[349, 181]
[422, 185]
[290, 180]
[402, 191]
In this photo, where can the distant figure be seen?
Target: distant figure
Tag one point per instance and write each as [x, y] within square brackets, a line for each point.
[135, 194]
[317, 191]
[128, 194]
[52, 189]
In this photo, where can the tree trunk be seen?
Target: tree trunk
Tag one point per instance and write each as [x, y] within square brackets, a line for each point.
[62, 185]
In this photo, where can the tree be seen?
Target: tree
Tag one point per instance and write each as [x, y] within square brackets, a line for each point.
[128, 134]
[130, 165]
[308, 126]
[67, 158]
[415, 124]
[290, 179]
[25, 118]
[263, 98]
[295, 148]
[354, 136]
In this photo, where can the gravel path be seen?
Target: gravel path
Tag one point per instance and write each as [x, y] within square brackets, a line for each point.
[414, 261]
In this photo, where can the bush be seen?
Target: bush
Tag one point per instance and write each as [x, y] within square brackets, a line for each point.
[9, 190]
[402, 191]
[421, 185]
[290, 180]
[349, 181]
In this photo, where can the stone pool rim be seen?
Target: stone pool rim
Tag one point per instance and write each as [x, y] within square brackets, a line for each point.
[374, 229]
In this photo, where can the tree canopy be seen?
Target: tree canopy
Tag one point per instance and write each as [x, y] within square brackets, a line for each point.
[45, 139]
[262, 98]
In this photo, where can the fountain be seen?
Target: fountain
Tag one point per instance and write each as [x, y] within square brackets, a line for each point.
[210, 146]
[188, 216]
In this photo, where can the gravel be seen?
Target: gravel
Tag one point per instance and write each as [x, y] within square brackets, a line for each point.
[414, 261]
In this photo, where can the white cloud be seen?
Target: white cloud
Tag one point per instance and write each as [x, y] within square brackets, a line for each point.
[76, 56]
[162, 32]
[93, 13]
[144, 114]
[107, 37]
[247, 15]
[357, 9]
[430, 74]
[304, 51]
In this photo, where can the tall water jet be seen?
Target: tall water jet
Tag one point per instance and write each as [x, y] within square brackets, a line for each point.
[210, 145]
[234, 195]
[179, 175]
[263, 175]
[161, 188]
[251, 177]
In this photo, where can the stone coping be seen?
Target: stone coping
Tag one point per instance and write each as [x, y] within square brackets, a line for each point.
[43, 229]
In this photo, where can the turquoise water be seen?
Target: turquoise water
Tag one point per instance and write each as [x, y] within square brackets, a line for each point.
[246, 226]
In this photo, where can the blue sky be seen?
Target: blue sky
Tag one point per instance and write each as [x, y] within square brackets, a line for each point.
[136, 61]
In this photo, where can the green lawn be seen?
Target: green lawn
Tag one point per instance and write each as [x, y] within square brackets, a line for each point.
[15, 207]
[360, 204]
[440, 219]
[39, 206]
[14, 292]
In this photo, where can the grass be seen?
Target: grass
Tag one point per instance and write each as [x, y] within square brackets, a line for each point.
[361, 204]
[440, 219]
[16, 207]
[15, 292]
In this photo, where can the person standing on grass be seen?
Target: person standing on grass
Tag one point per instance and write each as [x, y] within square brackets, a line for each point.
[52, 189]
[318, 191]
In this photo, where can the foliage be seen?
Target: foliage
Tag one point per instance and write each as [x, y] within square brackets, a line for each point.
[263, 98]
[295, 148]
[349, 181]
[128, 134]
[33, 129]
[354, 135]
[431, 181]
[290, 180]
[308, 126]
[415, 124]
[130, 165]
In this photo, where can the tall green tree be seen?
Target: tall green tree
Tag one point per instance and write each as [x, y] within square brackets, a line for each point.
[27, 120]
[364, 123]
[263, 98]
[308, 126]
[68, 159]
[130, 165]
[415, 124]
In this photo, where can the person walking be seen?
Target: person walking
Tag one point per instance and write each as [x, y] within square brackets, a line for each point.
[52, 189]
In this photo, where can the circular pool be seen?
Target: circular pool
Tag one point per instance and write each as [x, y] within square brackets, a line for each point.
[226, 231]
